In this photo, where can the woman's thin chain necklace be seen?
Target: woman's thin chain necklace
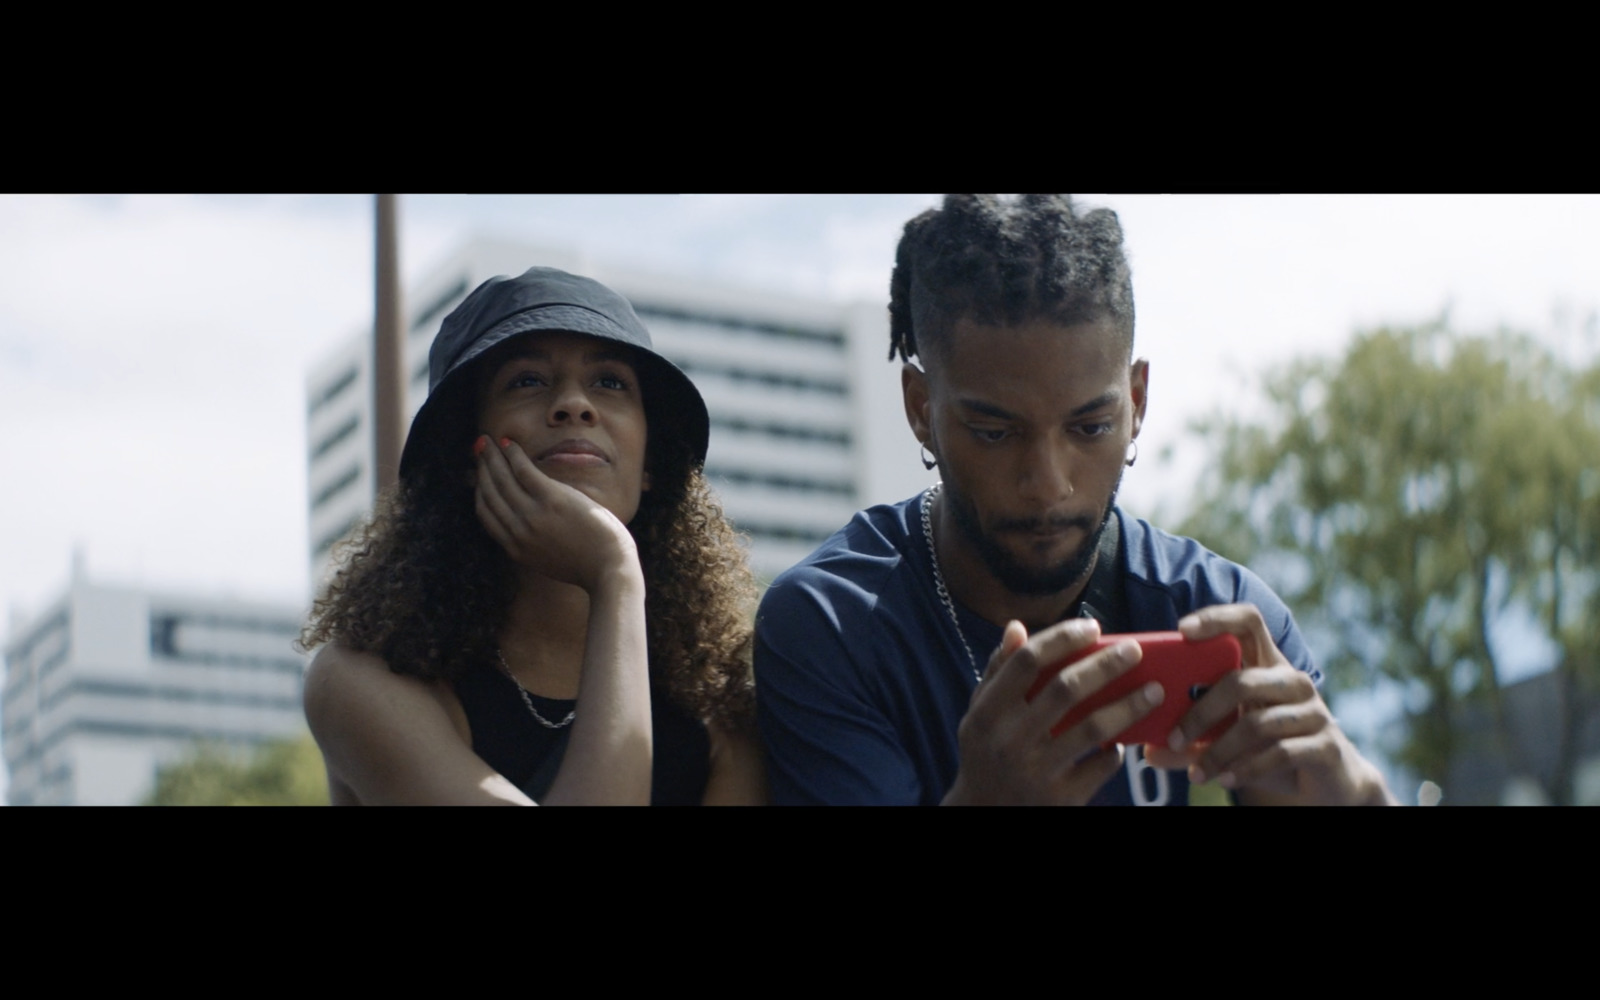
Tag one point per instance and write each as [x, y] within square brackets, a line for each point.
[938, 577]
[505, 669]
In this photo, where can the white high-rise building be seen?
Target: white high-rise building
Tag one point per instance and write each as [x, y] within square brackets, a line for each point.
[110, 683]
[806, 420]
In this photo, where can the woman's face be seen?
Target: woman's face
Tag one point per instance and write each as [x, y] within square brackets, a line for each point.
[574, 405]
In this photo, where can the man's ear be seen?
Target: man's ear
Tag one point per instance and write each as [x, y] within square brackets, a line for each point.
[914, 387]
[1139, 383]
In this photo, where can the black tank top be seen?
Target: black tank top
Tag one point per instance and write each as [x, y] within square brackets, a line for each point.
[510, 740]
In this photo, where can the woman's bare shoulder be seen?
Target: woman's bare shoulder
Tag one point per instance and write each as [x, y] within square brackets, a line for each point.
[390, 738]
[341, 682]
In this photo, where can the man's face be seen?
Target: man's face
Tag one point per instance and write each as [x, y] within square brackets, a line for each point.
[1030, 426]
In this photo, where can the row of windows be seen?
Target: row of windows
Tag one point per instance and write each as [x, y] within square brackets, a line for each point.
[835, 337]
[787, 431]
[334, 388]
[55, 627]
[179, 695]
[797, 484]
[49, 782]
[424, 320]
[271, 626]
[326, 493]
[338, 434]
[19, 718]
[833, 387]
[164, 640]
[48, 665]
[282, 663]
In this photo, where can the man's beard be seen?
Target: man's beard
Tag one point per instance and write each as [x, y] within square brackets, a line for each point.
[1014, 576]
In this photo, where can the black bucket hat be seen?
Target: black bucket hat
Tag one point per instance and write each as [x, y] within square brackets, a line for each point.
[544, 298]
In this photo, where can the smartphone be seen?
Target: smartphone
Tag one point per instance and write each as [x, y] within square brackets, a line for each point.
[1186, 670]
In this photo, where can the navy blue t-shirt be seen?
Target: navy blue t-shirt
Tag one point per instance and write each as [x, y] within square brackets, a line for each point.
[861, 680]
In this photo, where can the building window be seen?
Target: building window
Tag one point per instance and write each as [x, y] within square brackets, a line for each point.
[341, 432]
[788, 431]
[795, 484]
[164, 635]
[832, 387]
[338, 385]
[326, 493]
[835, 337]
[425, 318]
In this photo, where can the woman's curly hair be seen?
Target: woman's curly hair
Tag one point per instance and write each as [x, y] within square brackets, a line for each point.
[425, 587]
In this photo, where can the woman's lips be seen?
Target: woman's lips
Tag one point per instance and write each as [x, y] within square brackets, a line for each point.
[575, 451]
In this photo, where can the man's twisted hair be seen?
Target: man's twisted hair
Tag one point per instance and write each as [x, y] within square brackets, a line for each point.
[1003, 262]
[423, 585]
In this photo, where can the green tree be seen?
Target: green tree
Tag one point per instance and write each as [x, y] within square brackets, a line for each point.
[281, 773]
[1403, 498]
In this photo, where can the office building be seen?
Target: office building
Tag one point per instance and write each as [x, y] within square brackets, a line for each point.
[110, 683]
[806, 420]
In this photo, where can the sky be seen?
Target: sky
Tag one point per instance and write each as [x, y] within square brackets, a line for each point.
[153, 349]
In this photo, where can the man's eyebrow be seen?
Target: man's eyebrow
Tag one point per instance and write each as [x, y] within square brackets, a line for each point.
[986, 409]
[1102, 400]
[990, 410]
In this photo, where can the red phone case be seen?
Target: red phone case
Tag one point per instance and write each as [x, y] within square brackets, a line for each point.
[1183, 668]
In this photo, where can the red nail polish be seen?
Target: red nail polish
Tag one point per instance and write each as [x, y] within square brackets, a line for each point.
[480, 444]
[505, 442]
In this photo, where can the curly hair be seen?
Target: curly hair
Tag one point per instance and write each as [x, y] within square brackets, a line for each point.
[425, 549]
[1003, 262]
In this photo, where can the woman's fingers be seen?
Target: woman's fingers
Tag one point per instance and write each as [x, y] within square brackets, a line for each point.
[545, 524]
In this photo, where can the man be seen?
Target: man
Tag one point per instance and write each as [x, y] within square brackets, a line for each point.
[875, 677]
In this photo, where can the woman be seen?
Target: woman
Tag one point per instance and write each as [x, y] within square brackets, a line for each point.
[550, 607]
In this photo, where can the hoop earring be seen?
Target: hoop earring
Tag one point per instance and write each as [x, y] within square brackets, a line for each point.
[1134, 444]
[922, 453]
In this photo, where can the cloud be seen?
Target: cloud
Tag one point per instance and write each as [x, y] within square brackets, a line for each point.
[152, 363]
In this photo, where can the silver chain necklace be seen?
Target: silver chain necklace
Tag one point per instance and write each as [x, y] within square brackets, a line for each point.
[938, 577]
[505, 669]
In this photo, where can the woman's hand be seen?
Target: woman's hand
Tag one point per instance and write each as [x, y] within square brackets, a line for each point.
[546, 525]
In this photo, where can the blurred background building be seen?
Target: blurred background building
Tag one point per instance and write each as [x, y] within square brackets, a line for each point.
[110, 683]
[798, 442]
[1515, 762]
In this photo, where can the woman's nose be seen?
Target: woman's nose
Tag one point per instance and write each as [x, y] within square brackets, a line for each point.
[571, 405]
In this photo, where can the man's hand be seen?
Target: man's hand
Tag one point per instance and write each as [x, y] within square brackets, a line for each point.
[1285, 747]
[1008, 756]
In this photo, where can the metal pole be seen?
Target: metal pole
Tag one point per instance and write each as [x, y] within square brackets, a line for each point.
[389, 351]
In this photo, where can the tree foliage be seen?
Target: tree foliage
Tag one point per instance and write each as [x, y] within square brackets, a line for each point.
[282, 773]
[1403, 498]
